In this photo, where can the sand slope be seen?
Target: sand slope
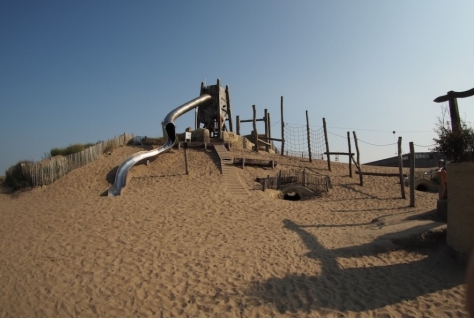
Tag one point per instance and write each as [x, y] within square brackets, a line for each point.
[181, 245]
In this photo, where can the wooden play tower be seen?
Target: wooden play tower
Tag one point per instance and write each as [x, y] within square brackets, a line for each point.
[214, 115]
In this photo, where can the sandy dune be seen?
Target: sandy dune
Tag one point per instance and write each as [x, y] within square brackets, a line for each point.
[176, 245]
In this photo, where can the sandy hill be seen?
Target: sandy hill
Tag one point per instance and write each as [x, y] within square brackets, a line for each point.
[179, 245]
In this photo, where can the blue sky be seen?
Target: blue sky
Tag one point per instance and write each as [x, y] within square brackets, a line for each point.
[84, 71]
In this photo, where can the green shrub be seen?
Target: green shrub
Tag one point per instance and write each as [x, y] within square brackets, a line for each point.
[71, 149]
[15, 178]
[457, 146]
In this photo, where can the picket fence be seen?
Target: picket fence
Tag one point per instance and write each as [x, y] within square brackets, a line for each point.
[316, 183]
[47, 171]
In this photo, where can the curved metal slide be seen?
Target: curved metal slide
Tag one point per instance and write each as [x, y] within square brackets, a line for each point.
[121, 175]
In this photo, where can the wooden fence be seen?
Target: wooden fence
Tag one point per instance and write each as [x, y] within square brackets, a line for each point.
[47, 171]
[316, 183]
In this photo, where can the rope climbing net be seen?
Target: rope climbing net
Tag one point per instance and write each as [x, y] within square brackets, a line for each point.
[296, 141]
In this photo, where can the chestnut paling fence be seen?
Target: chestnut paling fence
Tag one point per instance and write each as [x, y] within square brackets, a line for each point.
[47, 171]
[316, 183]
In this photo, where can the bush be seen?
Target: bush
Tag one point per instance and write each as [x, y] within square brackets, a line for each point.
[15, 178]
[71, 149]
[457, 146]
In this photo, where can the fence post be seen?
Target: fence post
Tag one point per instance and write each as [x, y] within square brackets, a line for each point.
[327, 143]
[255, 134]
[350, 156]
[282, 128]
[309, 136]
[265, 121]
[269, 125]
[279, 180]
[361, 179]
[237, 120]
[400, 167]
[412, 175]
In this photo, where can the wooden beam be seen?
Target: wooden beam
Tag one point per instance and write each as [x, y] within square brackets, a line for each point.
[378, 174]
[254, 162]
[264, 143]
[249, 121]
[339, 153]
[229, 110]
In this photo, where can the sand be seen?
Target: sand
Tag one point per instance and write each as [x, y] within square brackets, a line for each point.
[177, 245]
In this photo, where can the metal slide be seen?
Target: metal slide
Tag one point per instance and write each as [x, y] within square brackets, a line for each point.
[121, 175]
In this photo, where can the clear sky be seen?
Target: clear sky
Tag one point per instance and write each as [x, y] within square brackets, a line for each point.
[84, 71]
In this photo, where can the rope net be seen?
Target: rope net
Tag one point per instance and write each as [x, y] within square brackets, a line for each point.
[296, 142]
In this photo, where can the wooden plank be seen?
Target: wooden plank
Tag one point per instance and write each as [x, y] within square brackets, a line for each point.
[250, 121]
[339, 153]
[263, 142]
[378, 174]
[254, 162]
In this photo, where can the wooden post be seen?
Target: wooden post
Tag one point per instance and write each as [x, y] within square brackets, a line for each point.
[255, 134]
[238, 124]
[185, 146]
[279, 180]
[309, 136]
[350, 160]
[269, 130]
[412, 175]
[229, 110]
[265, 120]
[243, 163]
[400, 167]
[282, 128]
[218, 110]
[304, 177]
[327, 143]
[361, 179]
[195, 118]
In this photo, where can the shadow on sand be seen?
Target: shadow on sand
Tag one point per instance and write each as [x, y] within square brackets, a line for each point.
[365, 288]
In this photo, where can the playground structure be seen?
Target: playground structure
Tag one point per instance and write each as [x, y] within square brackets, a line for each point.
[214, 110]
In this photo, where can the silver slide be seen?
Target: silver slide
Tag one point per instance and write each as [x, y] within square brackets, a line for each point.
[168, 123]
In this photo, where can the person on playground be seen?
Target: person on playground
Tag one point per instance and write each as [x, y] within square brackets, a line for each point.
[443, 177]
